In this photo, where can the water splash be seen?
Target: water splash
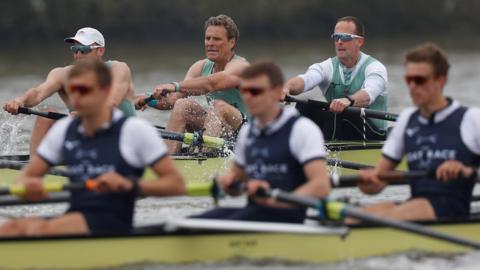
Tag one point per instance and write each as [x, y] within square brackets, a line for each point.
[13, 137]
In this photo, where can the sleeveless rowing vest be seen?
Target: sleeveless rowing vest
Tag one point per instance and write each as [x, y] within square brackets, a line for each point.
[231, 96]
[429, 145]
[268, 156]
[338, 88]
[87, 158]
[126, 106]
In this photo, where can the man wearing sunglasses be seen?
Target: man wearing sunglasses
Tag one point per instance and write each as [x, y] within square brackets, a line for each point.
[351, 78]
[216, 78]
[87, 43]
[438, 135]
[277, 149]
[104, 147]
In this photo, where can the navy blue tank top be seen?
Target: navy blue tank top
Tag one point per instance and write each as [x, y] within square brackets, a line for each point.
[268, 157]
[429, 145]
[89, 157]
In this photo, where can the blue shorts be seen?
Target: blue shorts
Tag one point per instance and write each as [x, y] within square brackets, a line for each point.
[256, 213]
[101, 222]
[447, 209]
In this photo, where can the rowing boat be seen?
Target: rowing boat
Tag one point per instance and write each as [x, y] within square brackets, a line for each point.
[200, 169]
[185, 241]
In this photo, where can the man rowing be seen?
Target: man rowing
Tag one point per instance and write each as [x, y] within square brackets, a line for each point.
[103, 145]
[216, 77]
[351, 78]
[438, 135]
[277, 149]
[87, 43]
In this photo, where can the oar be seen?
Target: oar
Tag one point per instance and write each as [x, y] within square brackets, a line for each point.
[196, 139]
[347, 164]
[338, 211]
[50, 115]
[57, 191]
[50, 187]
[393, 178]
[369, 113]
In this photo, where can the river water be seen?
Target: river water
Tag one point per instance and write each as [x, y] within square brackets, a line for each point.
[25, 66]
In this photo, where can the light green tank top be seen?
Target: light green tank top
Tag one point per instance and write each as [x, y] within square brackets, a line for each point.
[338, 88]
[126, 106]
[231, 96]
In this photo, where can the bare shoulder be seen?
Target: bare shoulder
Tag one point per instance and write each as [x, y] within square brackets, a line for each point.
[198, 65]
[119, 65]
[195, 69]
[236, 66]
[60, 72]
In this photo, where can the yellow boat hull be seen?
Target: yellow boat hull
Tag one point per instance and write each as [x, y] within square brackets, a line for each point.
[100, 252]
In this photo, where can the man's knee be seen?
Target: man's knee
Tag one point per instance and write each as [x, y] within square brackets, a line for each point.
[182, 107]
[223, 110]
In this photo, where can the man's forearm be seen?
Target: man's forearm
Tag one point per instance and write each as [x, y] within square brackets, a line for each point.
[361, 99]
[203, 85]
[295, 86]
[30, 98]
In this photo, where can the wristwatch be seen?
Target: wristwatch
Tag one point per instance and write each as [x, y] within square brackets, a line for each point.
[350, 99]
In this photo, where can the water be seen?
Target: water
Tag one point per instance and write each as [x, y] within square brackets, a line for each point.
[151, 64]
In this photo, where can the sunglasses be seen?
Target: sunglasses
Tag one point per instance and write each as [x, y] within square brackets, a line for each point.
[254, 91]
[418, 80]
[344, 36]
[82, 90]
[83, 49]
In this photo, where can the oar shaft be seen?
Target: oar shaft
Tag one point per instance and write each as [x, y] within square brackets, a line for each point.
[369, 113]
[352, 212]
[194, 138]
[339, 210]
[49, 187]
[393, 178]
[173, 136]
[50, 115]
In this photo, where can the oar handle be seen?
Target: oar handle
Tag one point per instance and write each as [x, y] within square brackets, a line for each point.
[369, 113]
[50, 187]
[50, 115]
[148, 99]
[393, 178]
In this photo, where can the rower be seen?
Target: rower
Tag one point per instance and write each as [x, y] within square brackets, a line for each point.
[87, 43]
[351, 78]
[437, 135]
[216, 77]
[277, 149]
[101, 144]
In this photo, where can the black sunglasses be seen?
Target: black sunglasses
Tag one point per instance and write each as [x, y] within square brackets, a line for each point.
[84, 49]
[418, 80]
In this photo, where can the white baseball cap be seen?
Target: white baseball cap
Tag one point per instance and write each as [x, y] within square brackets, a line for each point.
[87, 36]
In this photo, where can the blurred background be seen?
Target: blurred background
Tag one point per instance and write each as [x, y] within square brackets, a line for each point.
[159, 40]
